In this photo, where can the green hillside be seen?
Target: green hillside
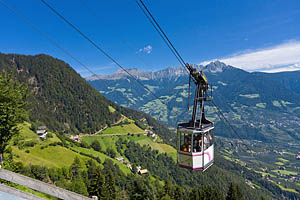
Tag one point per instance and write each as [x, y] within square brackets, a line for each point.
[29, 149]
[60, 152]
[109, 142]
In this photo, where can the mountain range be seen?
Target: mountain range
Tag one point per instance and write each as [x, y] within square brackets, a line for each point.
[260, 106]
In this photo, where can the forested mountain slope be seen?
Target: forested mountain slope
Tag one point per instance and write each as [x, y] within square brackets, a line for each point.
[61, 98]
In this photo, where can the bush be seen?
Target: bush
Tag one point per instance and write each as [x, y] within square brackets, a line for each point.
[21, 145]
[84, 145]
[96, 145]
[53, 144]
[33, 127]
[56, 143]
[110, 152]
[140, 124]
[49, 135]
[29, 144]
[16, 141]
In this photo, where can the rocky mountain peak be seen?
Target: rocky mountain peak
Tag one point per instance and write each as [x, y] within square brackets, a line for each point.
[168, 73]
[215, 67]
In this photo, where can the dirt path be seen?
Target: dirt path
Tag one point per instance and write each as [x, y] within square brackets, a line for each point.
[118, 134]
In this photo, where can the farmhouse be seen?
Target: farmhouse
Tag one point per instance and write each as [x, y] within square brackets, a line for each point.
[143, 171]
[42, 132]
[120, 159]
[75, 138]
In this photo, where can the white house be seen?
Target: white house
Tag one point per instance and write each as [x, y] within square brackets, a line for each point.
[120, 159]
[42, 131]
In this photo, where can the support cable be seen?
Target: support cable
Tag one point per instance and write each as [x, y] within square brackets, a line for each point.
[160, 34]
[160, 29]
[126, 43]
[102, 51]
[45, 36]
[221, 115]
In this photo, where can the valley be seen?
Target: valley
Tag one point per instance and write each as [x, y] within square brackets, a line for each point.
[266, 117]
[274, 163]
[89, 134]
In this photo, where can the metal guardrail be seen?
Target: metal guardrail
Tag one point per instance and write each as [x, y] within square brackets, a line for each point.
[40, 186]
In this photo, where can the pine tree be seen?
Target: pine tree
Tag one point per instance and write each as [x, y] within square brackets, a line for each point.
[234, 193]
[178, 194]
[168, 189]
[75, 167]
[97, 186]
[110, 184]
[96, 145]
[79, 186]
[13, 97]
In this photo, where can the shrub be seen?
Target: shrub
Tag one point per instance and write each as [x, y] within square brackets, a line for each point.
[110, 152]
[21, 145]
[96, 145]
[29, 144]
[84, 145]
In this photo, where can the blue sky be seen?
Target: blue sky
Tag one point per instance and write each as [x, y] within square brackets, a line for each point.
[255, 35]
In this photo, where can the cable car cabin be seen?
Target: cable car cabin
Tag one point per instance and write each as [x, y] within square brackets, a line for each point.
[195, 146]
[195, 139]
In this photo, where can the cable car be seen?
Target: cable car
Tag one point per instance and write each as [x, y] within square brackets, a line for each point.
[195, 139]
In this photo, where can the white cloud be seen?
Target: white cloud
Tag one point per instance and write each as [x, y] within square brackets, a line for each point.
[147, 49]
[283, 57]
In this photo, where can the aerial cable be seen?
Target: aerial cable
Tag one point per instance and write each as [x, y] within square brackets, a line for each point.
[178, 56]
[224, 119]
[45, 36]
[161, 33]
[160, 29]
[126, 43]
[58, 46]
[102, 51]
[165, 38]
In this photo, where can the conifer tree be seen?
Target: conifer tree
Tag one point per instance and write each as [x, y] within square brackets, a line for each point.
[96, 145]
[110, 184]
[75, 167]
[234, 193]
[13, 97]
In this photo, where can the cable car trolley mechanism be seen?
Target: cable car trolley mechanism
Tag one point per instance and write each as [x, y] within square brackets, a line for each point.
[195, 139]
